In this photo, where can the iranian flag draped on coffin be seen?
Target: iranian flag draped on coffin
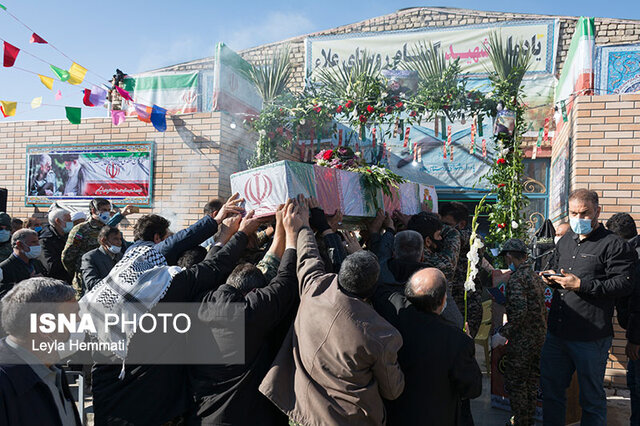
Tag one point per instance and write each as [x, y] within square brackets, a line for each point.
[266, 187]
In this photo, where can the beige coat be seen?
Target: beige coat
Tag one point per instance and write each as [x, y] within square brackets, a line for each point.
[340, 357]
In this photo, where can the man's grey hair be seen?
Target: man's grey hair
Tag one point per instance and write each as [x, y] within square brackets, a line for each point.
[27, 297]
[45, 159]
[21, 235]
[56, 214]
[359, 273]
[408, 245]
[586, 196]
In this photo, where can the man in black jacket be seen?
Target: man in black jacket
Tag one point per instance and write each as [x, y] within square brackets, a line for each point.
[228, 394]
[437, 359]
[119, 391]
[23, 262]
[97, 263]
[596, 268]
[33, 389]
[52, 239]
[628, 308]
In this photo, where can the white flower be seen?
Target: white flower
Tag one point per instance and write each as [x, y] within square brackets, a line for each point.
[514, 224]
[504, 152]
[469, 285]
[477, 243]
[262, 132]
[302, 121]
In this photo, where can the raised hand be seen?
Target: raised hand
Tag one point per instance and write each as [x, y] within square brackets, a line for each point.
[376, 223]
[229, 227]
[351, 242]
[231, 207]
[250, 224]
[335, 220]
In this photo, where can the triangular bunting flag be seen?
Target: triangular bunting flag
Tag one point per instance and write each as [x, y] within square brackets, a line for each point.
[63, 75]
[35, 38]
[8, 108]
[87, 98]
[10, 54]
[159, 118]
[98, 96]
[117, 117]
[143, 112]
[59, 95]
[47, 81]
[76, 74]
[74, 115]
[36, 102]
[124, 94]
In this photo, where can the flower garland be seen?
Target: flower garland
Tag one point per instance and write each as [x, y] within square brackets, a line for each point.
[473, 256]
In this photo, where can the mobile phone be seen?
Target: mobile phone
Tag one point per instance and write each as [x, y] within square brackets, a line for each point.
[548, 274]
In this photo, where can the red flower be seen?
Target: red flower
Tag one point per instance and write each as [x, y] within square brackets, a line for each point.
[338, 166]
[413, 114]
[399, 105]
[280, 130]
[370, 109]
[271, 135]
[317, 109]
[363, 119]
[327, 154]
[500, 185]
[501, 161]
[368, 170]
[389, 109]
[349, 104]
[339, 109]
[501, 225]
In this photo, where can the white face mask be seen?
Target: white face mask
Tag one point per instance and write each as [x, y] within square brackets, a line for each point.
[68, 226]
[115, 249]
[34, 252]
[104, 217]
[556, 239]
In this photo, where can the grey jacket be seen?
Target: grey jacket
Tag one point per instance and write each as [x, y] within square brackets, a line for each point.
[96, 265]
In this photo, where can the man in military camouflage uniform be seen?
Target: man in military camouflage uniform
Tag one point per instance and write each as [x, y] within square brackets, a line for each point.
[456, 215]
[84, 238]
[525, 332]
[441, 242]
[5, 236]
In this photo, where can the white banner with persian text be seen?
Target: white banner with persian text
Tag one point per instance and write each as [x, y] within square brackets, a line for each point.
[469, 43]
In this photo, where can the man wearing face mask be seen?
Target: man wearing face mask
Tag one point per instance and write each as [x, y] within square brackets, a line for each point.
[5, 236]
[53, 239]
[525, 332]
[97, 263]
[23, 262]
[84, 238]
[441, 242]
[438, 359]
[595, 268]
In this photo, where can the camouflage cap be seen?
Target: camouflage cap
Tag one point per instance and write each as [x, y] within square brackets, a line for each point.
[5, 219]
[513, 244]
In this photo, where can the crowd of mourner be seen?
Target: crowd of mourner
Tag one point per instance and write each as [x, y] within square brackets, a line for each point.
[344, 324]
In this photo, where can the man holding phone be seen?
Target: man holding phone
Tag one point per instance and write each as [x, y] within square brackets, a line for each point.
[595, 267]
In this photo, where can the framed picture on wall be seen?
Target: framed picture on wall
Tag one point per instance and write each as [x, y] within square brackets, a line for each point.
[121, 172]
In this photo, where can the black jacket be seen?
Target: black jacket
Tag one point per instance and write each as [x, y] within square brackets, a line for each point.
[604, 262]
[628, 308]
[228, 394]
[154, 394]
[438, 362]
[15, 270]
[52, 245]
[25, 400]
[95, 265]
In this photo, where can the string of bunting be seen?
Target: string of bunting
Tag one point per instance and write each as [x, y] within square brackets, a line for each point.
[75, 75]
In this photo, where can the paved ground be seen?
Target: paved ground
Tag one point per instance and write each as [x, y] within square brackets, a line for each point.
[617, 403]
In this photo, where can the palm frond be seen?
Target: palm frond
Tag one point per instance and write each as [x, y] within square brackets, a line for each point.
[429, 64]
[509, 64]
[271, 76]
[340, 80]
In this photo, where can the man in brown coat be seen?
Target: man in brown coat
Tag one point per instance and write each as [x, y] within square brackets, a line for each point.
[340, 358]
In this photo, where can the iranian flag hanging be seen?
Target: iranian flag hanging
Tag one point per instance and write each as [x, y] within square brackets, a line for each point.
[577, 72]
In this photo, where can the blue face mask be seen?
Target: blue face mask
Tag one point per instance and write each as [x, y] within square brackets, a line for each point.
[4, 236]
[38, 229]
[512, 267]
[68, 226]
[580, 226]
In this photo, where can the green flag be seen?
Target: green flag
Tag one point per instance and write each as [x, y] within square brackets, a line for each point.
[63, 75]
[73, 115]
[2, 7]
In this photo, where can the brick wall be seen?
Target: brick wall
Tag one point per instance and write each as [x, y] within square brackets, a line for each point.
[192, 163]
[606, 158]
